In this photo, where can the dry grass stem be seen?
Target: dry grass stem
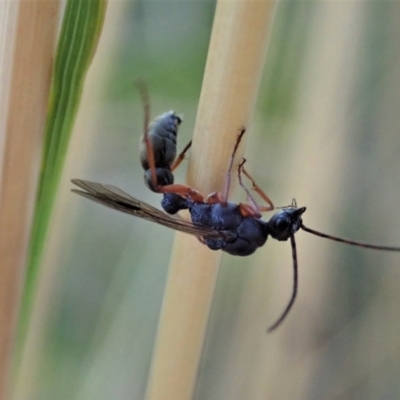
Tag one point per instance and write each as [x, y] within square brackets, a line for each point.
[33, 36]
[233, 71]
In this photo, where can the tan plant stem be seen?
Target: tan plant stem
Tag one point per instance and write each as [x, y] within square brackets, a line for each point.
[233, 71]
[34, 37]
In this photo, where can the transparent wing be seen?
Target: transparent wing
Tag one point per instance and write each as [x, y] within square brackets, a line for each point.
[117, 199]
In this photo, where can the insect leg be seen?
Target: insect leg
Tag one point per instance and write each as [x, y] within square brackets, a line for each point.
[257, 189]
[295, 287]
[182, 190]
[228, 174]
[252, 208]
[144, 95]
[180, 157]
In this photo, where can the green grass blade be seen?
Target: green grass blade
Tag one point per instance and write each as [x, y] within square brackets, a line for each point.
[78, 40]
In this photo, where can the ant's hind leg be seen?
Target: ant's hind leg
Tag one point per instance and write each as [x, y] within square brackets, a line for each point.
[180, 157]
[147, 151]
[144, 96]
[256, 188]
[182, 190]
[228, 174]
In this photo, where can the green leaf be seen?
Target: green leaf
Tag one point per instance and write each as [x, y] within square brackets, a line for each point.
[80, 33]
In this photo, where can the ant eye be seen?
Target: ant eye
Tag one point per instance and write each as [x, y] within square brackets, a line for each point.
[281, 224]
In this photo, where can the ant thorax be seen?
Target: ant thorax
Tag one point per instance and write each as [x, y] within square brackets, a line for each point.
[247, 232]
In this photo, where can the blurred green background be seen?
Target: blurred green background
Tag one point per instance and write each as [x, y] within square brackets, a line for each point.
[326, 131]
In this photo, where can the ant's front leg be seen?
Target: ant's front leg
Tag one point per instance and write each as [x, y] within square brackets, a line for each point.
[252, 209]
[224, 196]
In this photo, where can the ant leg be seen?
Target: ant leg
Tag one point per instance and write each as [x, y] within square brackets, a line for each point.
[247, 210]
[295, 286]
[257, 189]
[251, 209]
[224, 198]
[214, 197]
[182, 190]
[292, 205]
[180, 157]
[201, 239]
[144, 95]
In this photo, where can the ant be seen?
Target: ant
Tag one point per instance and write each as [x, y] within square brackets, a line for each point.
[158, 148]
[158, 159]
[237, 229]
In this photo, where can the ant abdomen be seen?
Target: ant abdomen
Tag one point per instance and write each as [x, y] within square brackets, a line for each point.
[161, 133]
[251, 234]
[248, 233]
[216, 215]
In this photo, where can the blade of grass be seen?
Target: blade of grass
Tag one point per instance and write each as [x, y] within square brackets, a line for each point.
[30, 35]
[233, 71]
[78, 40]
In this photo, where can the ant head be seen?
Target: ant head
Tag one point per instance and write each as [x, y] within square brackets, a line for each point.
[285, 223]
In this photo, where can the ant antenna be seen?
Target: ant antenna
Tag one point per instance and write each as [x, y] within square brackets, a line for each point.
[348, 241]
[295, 286]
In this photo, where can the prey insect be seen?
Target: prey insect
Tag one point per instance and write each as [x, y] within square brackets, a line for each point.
[237, 229]
[158, 153]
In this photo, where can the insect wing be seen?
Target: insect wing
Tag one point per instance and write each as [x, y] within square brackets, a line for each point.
[117, 199]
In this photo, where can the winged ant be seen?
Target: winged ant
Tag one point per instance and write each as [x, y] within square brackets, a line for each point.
[237, 229]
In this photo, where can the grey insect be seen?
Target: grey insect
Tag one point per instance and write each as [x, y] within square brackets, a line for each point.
[158, 147]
